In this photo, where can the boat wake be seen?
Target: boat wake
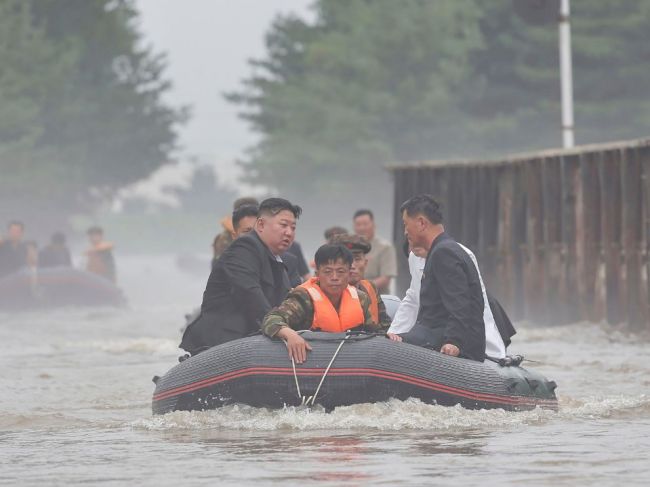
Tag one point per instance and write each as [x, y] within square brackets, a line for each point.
[392, 415]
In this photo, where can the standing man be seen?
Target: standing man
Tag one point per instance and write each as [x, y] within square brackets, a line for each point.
[450, 318]
[247, 281]
[382, 261]
[100, 254]
[228, 234]
[13, 251]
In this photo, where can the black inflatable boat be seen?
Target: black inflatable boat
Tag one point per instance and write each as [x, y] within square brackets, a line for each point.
[56, 287]
[344, 369]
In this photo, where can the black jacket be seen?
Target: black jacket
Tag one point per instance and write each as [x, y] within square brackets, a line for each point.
[54, 256]
[292, 264]
[245, 283]
[451, 298]
[12, 257]
[502, 320]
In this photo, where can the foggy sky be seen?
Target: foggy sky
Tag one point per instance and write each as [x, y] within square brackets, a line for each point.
[208, 43]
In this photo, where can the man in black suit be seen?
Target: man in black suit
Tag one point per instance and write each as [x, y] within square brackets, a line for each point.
[450, 318]
[243, 222]
[248, 280]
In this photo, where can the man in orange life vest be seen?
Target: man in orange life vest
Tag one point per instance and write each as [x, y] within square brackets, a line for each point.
[360, 247]
[326, 302]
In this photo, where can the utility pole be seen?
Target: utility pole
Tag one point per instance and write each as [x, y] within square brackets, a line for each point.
[566, 74]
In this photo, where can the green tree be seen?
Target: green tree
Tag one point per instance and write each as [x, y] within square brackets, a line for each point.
[205, 194]
[370, 82]
[84, 113]
[366, 84]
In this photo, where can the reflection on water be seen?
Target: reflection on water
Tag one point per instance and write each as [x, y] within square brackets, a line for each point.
[76, 406]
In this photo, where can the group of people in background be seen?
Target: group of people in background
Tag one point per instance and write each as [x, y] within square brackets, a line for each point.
[260, 282]
[17, 253]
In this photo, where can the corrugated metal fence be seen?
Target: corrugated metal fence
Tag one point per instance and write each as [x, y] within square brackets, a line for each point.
[561, 236]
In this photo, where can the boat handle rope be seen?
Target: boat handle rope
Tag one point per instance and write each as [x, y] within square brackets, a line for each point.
[305, 401]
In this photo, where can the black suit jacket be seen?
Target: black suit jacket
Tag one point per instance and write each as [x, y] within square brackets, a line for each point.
[245, 283]
[451, 299]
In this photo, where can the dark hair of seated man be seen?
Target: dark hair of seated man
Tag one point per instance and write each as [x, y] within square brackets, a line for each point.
[329, 253]
[273, 206]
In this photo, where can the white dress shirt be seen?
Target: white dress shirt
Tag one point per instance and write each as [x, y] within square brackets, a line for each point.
[407, 312]
[494, 346]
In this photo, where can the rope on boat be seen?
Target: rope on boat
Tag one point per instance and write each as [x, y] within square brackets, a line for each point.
[305, 401]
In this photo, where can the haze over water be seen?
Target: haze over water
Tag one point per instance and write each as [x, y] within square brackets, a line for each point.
[76, 408]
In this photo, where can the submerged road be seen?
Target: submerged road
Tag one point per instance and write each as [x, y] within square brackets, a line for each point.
[75, 407]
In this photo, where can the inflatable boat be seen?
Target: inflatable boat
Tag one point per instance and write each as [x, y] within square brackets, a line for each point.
[57, 287]
[344, 369]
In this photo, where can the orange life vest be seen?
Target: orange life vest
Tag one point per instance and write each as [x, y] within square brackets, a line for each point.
[326, 318]
[374, 301]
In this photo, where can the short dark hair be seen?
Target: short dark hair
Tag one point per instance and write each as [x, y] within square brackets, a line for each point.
[332, 232]
[363, 211]
[425, 205]
[16, 222]
[245, 201]
[242, 212]
[273, 206]
[331, 253]
[95, 230]
[58, 238]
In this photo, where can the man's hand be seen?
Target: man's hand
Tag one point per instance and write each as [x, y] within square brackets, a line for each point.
[395, 337]
[449, 349]
[296, 345]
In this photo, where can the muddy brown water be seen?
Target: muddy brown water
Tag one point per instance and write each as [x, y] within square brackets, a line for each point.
[75, 408]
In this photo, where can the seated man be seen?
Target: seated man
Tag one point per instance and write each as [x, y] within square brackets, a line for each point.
[100, 254]
[324, 303]
[244, 218]
[56, 254]
[452, 303]
[247, 281]
[360, 248]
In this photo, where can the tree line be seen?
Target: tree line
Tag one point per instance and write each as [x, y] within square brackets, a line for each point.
[81, 104]
[370, 82]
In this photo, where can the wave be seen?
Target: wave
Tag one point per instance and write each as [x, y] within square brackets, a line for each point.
[392, 415]
[9, 421]
[143, 345]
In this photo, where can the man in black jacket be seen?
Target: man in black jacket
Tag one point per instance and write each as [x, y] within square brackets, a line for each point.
[450, 318]
[247, 281]
[13, 251]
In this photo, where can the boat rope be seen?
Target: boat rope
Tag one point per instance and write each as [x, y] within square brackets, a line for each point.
[295, 376]
[304, 400]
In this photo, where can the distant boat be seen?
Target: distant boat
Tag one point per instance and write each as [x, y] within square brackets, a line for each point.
[57, 287]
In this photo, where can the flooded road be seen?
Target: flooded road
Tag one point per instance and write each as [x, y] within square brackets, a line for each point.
[76, 390]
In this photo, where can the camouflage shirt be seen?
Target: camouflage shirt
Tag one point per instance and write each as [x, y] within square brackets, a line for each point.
[297, 312]
[384, 319]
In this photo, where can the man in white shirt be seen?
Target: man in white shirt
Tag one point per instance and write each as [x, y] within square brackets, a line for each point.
[407, 313]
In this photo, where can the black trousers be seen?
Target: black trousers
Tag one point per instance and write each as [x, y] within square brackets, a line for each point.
[424, 336]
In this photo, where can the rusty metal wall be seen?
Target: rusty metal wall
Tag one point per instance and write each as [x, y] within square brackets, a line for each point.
[561, 236]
